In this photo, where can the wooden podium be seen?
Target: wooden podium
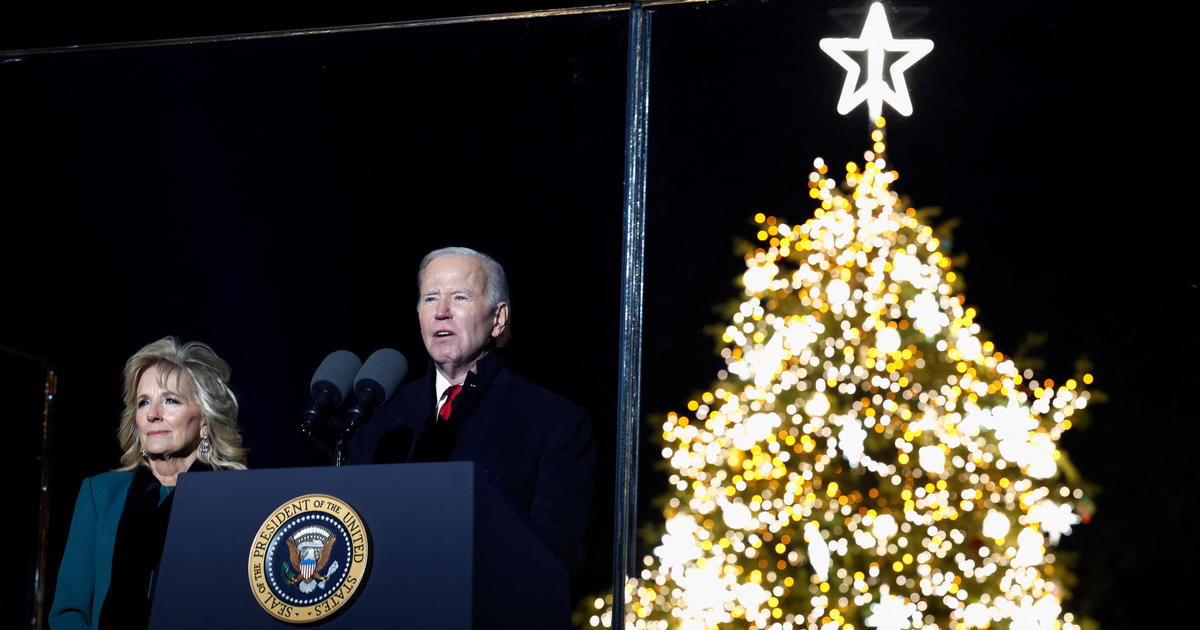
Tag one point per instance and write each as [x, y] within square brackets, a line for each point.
[447, 550]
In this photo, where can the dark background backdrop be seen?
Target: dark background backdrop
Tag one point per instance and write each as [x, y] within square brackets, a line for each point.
[273, 198]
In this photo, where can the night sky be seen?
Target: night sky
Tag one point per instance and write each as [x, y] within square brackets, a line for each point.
[272, 197]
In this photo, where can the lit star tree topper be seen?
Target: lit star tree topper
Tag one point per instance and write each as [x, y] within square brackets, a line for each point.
[875, 39]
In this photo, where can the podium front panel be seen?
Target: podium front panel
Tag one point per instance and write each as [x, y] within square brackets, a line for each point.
[423, 521]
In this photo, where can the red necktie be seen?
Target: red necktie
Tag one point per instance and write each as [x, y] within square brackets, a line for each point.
[451, 393]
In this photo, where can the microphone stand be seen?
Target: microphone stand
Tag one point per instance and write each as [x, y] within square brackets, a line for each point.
[357, 415]
[313, 420]
[339, 457]
[368, 394]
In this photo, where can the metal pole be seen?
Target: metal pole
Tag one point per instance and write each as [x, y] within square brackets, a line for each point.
[49, 389]
[637, 101]
[39, 578]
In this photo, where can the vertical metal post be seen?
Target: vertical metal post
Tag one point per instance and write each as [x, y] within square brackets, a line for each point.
[37, 586]
[39, 579]
[637, 104]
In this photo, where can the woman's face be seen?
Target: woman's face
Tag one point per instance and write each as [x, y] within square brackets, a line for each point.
[168, 419]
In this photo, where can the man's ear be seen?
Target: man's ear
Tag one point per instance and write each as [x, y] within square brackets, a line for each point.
[500, 319]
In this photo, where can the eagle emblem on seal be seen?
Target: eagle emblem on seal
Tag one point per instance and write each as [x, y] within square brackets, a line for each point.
[309, 550]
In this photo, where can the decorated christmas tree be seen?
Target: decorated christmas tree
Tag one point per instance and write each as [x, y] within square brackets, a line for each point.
[867, 458]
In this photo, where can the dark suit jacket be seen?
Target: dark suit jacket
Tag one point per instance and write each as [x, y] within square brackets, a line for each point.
[536, 444]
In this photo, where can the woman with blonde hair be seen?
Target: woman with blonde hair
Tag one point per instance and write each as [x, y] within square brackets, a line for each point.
[179, 417]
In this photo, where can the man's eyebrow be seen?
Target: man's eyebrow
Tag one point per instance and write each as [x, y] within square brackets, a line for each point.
[451, 290]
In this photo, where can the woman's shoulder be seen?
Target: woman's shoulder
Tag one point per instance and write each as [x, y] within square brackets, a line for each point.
[107, 482]
[104, 492]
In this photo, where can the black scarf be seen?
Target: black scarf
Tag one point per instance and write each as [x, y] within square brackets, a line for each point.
[137, 551]
[437, 439]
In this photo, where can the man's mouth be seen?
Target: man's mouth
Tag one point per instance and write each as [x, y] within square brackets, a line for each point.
[442, 333]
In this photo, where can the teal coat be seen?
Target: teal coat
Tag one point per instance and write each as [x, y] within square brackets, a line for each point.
[86, 569]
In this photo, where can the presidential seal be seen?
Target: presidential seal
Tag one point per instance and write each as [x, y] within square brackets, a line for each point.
[308, 558]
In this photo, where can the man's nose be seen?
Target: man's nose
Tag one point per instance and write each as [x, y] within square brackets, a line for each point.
[443, 310]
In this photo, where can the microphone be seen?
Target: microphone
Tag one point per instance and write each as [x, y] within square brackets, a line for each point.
[378, 379]
[330, 386]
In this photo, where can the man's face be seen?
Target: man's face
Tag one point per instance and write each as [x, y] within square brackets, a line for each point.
[457, 320]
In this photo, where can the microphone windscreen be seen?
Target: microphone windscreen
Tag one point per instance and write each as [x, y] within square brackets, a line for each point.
[385, 368]
[338, 369]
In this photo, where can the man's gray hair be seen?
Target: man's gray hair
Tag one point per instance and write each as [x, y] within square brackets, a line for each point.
[497, 282]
